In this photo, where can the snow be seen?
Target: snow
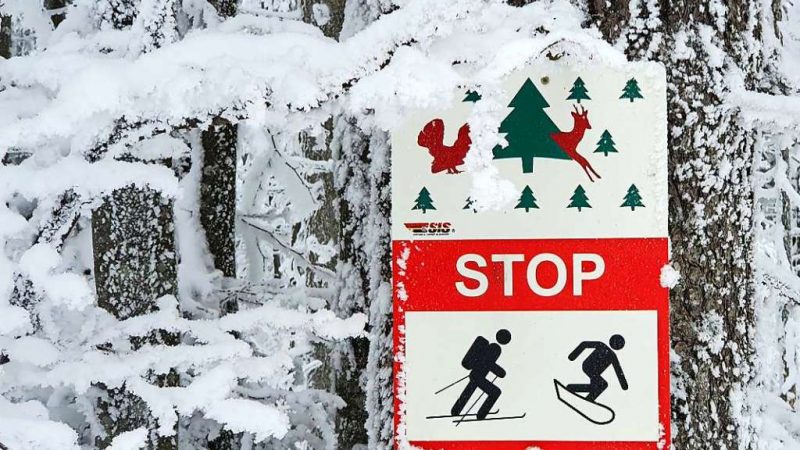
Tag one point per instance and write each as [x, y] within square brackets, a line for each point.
[245, 415]
[130, 440]
[32, 350]
[26, 426]
[89, 90]
[669, 277]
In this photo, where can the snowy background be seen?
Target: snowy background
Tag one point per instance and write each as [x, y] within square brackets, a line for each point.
[117, 95]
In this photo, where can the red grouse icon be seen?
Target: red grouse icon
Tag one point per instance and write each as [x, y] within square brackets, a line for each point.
[445, 157]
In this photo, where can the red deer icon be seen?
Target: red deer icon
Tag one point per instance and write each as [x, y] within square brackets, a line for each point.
[569, 140]
[444, 157]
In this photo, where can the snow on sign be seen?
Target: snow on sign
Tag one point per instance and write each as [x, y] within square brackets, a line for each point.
[541, 324]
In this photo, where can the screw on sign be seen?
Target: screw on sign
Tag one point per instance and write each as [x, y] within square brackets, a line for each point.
[537, 320]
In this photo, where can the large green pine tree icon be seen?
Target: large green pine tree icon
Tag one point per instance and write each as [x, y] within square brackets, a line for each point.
[472, 96]
[606, 144]
[528, 129]
[527, 200]
[470, 204]
[424, 201]
[632, 199]
[578, 91]
[631, 90]
[579, 199]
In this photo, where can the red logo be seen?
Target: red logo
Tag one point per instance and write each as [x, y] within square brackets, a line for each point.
[430, 228]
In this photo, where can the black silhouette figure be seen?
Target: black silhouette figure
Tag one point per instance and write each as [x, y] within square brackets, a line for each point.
[596, 363]
[481, 358]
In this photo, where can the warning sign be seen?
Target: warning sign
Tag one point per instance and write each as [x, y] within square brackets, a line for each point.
[540, 323]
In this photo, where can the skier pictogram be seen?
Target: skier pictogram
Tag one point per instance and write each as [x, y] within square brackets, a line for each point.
[481, 360]
[444, 157]
[601, 358]
[531, 133]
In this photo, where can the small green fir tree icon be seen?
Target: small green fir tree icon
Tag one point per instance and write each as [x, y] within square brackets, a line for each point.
[472, 96]
[527, 200]
[424, 201]
[632, 199]
[469, 205]
[606, 144]
[579, 199]
[578, 91]
[631, 90]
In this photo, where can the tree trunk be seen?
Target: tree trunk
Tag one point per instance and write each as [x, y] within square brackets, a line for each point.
[710, 210]
[218, 208]
[135, 263]
[58, 17]
[134, 251]
[218, 193]
[328, 15]
[5, 36]
[225, 8]
[343, 366]
[375, 243]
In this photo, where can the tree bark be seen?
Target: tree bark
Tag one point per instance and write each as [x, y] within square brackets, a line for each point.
[328, 15]
[710, 212]
[5, 36]
[225, 8]
[218, 193]
[344, 365]
[58, 17]
[218, 208]
[135, 263]
[134, 251]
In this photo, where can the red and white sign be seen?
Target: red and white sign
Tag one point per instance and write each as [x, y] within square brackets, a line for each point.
[536, 321]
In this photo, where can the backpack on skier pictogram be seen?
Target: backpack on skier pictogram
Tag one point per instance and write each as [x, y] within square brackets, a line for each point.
[475, 352]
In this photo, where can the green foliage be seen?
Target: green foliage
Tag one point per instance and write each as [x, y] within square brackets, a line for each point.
[528, 129]
[579, 199]
[578, 91]
[632, 199]
[424, 201]
[606, 144]
[527, 200]
[631, 90]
